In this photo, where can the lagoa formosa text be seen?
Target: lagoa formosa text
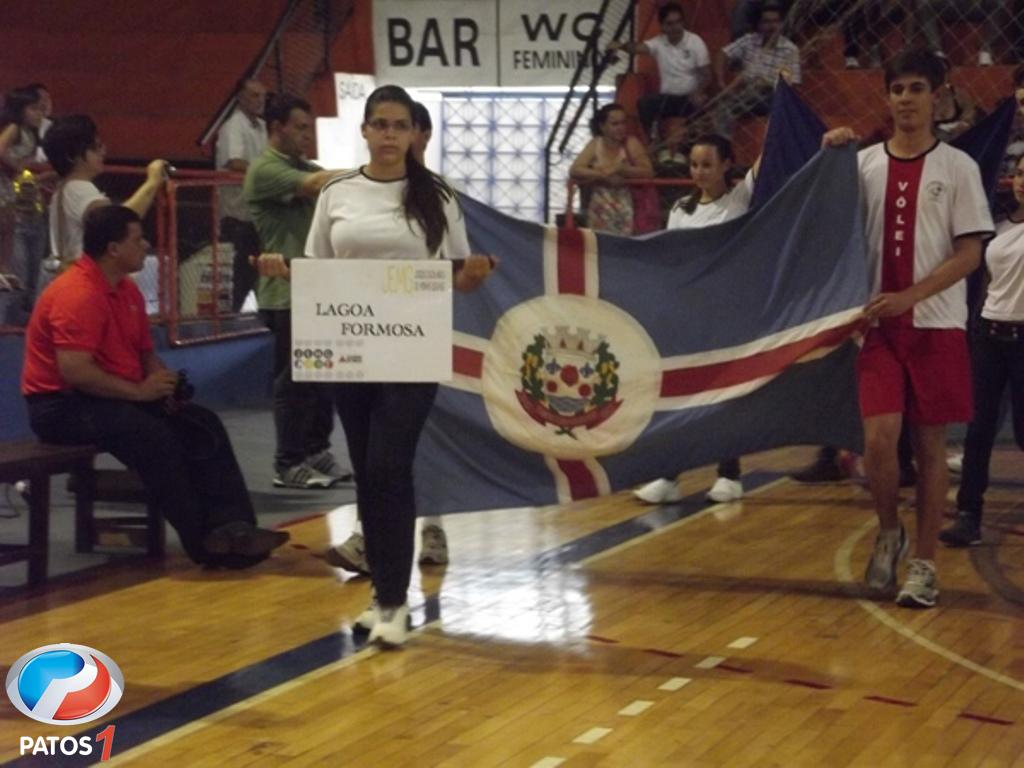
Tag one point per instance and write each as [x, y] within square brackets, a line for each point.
[66, 685]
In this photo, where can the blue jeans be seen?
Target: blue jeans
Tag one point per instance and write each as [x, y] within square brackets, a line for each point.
[30, 244]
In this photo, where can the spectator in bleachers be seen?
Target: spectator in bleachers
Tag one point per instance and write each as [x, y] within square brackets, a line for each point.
[955, 112]
[91, 376]
[859, 21]
[604, 165]
[684, 69]
[1015, 148]
[23, 212]
[76, 153]
[991, 14]
[46, 101]
[281, 188]
[241, 139]
[761, 57]
[745, 12]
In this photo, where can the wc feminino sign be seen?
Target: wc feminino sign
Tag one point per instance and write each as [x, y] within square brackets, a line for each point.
[361, 320]
[482, 42]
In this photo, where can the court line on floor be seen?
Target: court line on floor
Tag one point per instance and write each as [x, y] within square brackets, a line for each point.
[843, 572]
[585, 549]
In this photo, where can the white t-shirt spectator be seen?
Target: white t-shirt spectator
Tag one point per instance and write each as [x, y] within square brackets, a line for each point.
[733, 203]
[1004, 258]
[67, 211]
[678, 64]
[362, 218]
[914, 210]
[238, 139]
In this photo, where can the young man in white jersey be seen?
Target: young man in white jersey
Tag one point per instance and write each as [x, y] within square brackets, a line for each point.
[926, 216]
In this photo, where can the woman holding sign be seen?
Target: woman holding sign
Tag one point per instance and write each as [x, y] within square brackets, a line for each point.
[390, 208]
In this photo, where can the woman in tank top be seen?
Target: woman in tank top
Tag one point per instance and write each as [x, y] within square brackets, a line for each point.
[603, 167]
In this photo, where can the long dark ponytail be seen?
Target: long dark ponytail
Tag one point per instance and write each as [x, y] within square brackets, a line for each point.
[721, 144]
[425, 192]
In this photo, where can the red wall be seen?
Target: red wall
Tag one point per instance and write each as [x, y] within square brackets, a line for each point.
[151, 76]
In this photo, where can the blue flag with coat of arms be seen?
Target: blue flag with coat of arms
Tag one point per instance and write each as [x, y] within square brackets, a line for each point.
[588, 363]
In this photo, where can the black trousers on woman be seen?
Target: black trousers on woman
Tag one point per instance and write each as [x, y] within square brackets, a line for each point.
[382, 428]
[184, 458]
[997, 360]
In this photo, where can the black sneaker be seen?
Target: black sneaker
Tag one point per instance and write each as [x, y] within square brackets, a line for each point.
[964, 532]
[820, 471]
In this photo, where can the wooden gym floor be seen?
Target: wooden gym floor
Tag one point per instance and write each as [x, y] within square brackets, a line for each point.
[599, 634]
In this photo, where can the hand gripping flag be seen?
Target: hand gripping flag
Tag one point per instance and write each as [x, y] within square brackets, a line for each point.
[589, 363]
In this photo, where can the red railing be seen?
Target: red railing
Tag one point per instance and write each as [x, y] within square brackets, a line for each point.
[208, 323]
[571, 187]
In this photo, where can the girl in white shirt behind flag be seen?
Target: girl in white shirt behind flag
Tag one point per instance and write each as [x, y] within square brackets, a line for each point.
[710, 202]
[391, 208]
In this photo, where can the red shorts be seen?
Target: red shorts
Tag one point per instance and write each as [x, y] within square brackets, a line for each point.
[923, 373]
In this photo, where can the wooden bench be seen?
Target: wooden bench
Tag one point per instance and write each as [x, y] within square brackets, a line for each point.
[145, 528]
[37, 462]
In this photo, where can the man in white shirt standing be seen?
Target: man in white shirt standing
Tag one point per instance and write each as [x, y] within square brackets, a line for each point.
[241, 139]
[926, 215]
[684, 69]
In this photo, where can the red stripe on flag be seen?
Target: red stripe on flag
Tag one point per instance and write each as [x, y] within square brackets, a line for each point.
[571, 267]
[582, 484]
[689, 381]
[467, 362]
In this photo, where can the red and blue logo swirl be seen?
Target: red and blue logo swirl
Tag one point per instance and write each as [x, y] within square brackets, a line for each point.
[65, 684]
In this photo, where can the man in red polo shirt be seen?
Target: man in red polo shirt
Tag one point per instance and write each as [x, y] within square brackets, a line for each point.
[91, 376]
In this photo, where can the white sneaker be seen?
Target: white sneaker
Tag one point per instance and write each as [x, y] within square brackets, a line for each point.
[984, 59]
[955, 463]
[889, 550]
[367, 620]
[660, 491]
[920, 590]
[725, 490]
[391, 628]
[434, 550]
[852, 62]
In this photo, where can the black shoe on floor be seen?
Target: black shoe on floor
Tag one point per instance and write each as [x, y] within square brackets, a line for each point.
[241, 538]
[821, 471]
[964, 532]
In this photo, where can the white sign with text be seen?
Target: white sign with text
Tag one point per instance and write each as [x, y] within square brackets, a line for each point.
[363, 320]
[438, 43]
[451, 43]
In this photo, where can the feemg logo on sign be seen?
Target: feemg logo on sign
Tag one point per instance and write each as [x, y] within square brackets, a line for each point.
[65, 684]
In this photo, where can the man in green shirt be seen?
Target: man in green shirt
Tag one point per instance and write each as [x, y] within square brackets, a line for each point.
[280, 188]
